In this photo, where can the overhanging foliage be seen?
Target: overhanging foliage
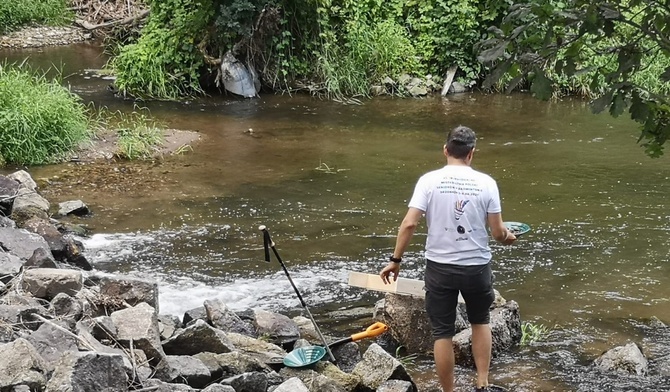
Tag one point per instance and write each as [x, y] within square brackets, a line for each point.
[541, 40]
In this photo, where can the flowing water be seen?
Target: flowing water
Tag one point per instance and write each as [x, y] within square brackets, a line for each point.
[332, 181]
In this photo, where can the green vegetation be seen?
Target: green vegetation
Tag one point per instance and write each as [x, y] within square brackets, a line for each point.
[408, 360]
[617, 52]
[334, 47]
[165, 62]
[40, 120]
[16, 13]
[531, 333]
[139, 136]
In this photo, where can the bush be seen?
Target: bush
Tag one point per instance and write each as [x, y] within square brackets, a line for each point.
[40, 120]
[16, 13]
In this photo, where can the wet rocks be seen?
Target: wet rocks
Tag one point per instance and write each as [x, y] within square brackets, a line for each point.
[64, 328]
[626, 359]
[34, 37]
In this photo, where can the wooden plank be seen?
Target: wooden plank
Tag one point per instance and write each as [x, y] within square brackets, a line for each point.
[451, 72]
[401, 286]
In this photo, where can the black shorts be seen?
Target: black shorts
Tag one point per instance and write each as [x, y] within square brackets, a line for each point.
[444, 282]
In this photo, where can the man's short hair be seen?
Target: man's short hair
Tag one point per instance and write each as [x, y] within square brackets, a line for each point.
[460, 141]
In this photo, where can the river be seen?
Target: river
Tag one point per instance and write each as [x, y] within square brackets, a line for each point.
[332, 181]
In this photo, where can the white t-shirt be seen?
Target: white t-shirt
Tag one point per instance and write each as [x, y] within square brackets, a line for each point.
[456, 200]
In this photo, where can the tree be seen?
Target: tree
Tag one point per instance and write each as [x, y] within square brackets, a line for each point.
[540, 41]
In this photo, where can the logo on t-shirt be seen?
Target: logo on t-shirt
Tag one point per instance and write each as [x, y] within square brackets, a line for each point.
[459, 208]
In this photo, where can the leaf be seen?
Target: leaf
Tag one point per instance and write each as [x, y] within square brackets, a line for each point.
[541, 85]
[496, 74]
[493, 53]
[514, 83]
[603, 101]
[618, 105]
[639, 109]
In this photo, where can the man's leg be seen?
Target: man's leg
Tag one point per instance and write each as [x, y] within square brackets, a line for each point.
[481, 350]
[444, 363]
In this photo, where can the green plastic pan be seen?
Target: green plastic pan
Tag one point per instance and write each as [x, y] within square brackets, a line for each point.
[305, 356]
[517, 228]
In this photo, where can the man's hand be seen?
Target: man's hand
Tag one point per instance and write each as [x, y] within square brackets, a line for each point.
[391, 268]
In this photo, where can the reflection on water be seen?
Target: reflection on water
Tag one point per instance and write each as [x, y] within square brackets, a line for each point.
[332, 182]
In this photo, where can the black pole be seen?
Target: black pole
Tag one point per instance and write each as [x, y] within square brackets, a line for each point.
[267, 242]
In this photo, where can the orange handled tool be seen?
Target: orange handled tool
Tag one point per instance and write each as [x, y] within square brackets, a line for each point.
[375, 329]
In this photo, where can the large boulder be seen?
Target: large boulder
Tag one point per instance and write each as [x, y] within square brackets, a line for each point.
[131, 290]
[48, 282]
[21, 243]
[139, 326]
[280, 328]
[183, 369]
[506, 332]
[89, 371]
[52, 341]
[21, 364]
[378, 366]
[221, 317]
[624, 359]
[197, 338]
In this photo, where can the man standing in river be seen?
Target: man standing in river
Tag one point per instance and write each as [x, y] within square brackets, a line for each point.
[458, 202]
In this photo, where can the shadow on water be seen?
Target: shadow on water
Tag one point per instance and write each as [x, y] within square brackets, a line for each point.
[332, 182]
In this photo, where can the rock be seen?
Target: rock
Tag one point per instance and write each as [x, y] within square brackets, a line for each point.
[24, 180]
[21, 243]
[406, 317]
[134, 291]
[167, 387]
[387, 81]
[8, 189]
[139, 324]
[28, 200]
[10, 266]
[347, 356]
[230, 364]
[89, 371]
[52, 342]
[197, 338]
[458, 87]
[48, 282]
[44, 228]
[396, 386]
[263, 351]
[307, 329]
[247, 382]
[167, 325]
[218, 388]
[418, 91]
[293, 384]
[21, 364]
[624, 359]
[41, 258]
[73, 207]
[6, 222]
[281, 329]
[183, 369]
[376, 91]
[404, 79]
[505, 326]
[65, 307]
[225, 319]
[378, 366]
[190, 316]
[314, 381]
[21, 315]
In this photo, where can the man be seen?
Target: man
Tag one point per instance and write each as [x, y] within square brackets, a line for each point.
[458, 202]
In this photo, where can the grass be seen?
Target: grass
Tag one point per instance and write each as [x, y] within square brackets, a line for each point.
[139, 136]
[40, 120]
[531, 333]
[17, 13]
